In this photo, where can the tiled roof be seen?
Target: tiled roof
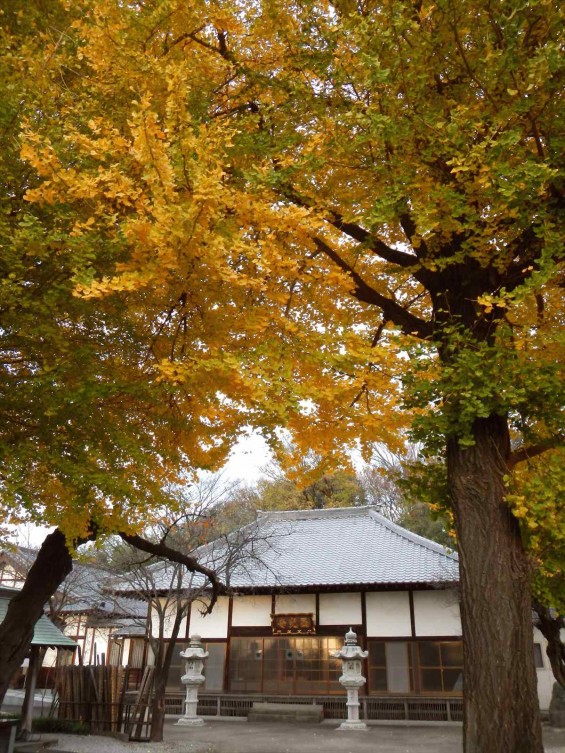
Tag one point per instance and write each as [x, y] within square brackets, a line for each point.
[130, 631]
[332, 548]
[86, 590]
[45, 633]
[341, 547]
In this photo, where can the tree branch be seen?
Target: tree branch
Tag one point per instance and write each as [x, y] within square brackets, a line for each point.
[531, 451]
[354, 231]
[392, 311]
[162, 550]
[550, 625]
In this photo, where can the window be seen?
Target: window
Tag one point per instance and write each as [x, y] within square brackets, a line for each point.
[538, 656]
[246, 664]
[114, 653]
[390, 669]
[176, 670]
[422, 667]
[377, 666]
[290, 665]
[136, 652]
[213, 668]
[440, 666]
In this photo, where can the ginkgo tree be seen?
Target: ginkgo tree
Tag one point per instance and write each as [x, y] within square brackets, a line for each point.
[326, 212]
[91, 433]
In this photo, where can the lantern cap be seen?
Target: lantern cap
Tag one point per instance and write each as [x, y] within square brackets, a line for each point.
[351, 637]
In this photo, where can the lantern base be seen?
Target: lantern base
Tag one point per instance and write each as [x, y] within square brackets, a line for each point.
[186, 721]
[359, 726]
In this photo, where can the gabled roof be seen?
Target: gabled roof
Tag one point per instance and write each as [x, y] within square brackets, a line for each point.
[331, 548]
[45, 633]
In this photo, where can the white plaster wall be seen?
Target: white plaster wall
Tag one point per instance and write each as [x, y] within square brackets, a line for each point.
[100, 640]
[388, 614]
[295, 603]
[213, 625]
[87, 657]
[71, 626]
[125, 651]
[340, 609]
[436, 613]
[168, 619]
[251, 611]
[9, 577]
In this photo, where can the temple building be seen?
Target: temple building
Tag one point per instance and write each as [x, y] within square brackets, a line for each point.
[299, 580]
[314, 574]
[307, 577]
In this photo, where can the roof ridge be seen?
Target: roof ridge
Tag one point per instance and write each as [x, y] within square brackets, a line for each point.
[323, 512]
[413, 537]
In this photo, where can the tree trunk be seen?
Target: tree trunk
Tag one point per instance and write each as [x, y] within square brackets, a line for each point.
[49, 570]
[158, 706]
[500, 688]
[550, 625]
[163, 659]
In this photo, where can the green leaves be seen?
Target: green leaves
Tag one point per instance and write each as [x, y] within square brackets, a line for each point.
[478, 380]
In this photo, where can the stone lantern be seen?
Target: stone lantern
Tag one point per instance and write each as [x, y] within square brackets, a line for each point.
[351, 679]
[193, 678]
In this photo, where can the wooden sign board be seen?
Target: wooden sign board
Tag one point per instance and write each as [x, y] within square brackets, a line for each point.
[293, 624]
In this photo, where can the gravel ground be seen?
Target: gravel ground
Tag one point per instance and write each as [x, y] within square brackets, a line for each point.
[99, 744]
[237, 737]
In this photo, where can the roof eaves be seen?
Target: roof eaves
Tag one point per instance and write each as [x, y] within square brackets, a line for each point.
[413, 537]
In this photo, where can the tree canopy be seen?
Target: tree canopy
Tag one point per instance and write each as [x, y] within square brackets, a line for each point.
[320, 214]
[91, 432]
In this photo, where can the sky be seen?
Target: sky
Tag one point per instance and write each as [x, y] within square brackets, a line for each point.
[248, 456]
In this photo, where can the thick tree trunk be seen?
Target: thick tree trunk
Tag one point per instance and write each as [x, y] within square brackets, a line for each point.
[49, 570]
[500, 691]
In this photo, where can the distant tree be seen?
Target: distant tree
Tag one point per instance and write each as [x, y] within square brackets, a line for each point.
[303, 479]
[169, 591]
[392, 482]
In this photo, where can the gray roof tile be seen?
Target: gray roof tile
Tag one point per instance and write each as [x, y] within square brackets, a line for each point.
[345, 547]
[332, 548]
[336, 547]
[45, 632]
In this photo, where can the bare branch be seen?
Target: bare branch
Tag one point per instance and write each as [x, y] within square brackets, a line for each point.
[162, 550]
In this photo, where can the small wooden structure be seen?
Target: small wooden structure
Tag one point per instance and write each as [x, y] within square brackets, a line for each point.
[45, 635]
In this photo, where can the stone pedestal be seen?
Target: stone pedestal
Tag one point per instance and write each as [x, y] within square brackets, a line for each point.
[192, 679]
[352, 679]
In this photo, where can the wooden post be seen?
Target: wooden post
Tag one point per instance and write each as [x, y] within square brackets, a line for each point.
[31, 681]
